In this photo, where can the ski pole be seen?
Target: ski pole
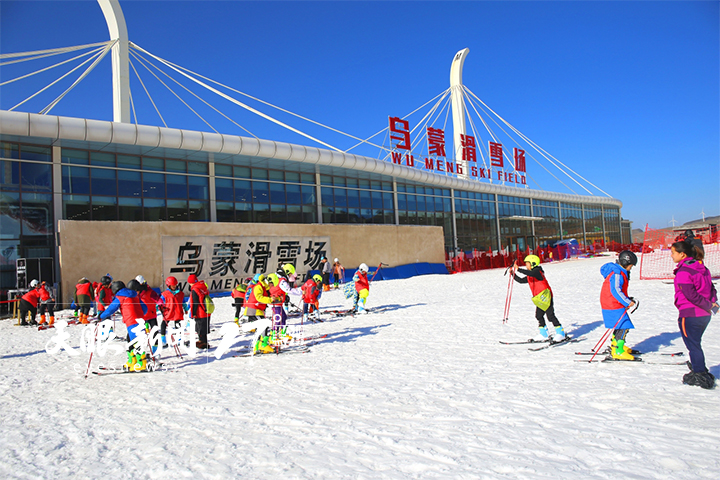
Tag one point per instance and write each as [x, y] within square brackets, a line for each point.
[605, 337]
[508, 296]
[93, 351]
[378, 269]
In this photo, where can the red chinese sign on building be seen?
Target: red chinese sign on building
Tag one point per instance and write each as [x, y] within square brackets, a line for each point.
[400, 131]
[400, 140]
[436, 141]
[469, 149]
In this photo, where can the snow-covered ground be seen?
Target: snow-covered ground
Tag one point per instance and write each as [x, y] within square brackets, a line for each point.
[421, 390]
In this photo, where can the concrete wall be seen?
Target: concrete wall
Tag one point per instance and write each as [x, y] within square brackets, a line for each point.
[126, 249]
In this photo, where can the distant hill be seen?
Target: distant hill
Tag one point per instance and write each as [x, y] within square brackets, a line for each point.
[715, 220]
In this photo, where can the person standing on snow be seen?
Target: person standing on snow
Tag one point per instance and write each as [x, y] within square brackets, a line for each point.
[338, 273]
[696, 299]
[29, 304]
[131, 309]
[103, 294]
[171, 306]
[150, 298]
[257, 298]
[325, 265]
[362, 289]
[615, 302]
[83, 298]
[47, 303]
[542, 295]
[238, 296]
[198, 310]
[311, 293]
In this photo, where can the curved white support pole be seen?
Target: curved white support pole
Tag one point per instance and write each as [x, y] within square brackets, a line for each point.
[120, 59]
[458, 107]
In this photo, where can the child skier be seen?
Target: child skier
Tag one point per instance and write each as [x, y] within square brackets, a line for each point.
[542, 295]
[83, 298]
[150, 298]
[312, 289]
[238, 296]
[103, 294]
[171, 306]
[615, 302]
[198, 310]
[29, 304]
[131, 309]
[257, 298]
[338, 273]
[47, 303]
[362, 289]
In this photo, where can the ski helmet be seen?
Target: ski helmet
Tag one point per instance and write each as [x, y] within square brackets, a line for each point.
[116, 287]
[273, 278]
[533, 260]
[363, 267]
[337, 260]
[289, 268]
[317, 278]
[689, 234]
[134, 285]
[106, 280]
[192, 279]
[626, 257]
[33, 284]
[141, 279]
[171, 282]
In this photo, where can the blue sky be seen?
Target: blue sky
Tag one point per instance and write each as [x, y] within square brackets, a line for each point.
[624, 93]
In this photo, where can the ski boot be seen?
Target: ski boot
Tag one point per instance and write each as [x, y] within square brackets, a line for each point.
[619, 353]
[140, 362]
[42, 320]
[614, 344]
[128, 367]
[543, 335]
[51, 322]
[263, 345]
[559, 334]
[361, 310]
[237, 321]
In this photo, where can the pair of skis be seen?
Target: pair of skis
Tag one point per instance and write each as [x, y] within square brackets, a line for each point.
[547, 343]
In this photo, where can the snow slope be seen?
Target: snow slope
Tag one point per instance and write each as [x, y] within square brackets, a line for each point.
[421, 390]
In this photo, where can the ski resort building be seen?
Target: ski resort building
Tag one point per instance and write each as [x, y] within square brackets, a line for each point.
[96, 196]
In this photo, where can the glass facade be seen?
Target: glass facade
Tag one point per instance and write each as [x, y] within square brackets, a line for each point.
[547, 230]
[95, 185]
[476, 221]
[516, 230]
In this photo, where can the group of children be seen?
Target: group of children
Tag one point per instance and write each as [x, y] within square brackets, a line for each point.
[695, 298]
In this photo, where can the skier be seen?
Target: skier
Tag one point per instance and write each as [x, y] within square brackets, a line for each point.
[257, 298]
[29, 304]
[150, 298]
[325, 265]
[696, 299]
[171, 306]
[542, 296]
[83, 298]
[338, 273]
[362, 289]
[47, 303]
[279, 288]
[131, 309]
[103, 293]
[311, 289]
[198, 310]
[238, 296]
[615, 302]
